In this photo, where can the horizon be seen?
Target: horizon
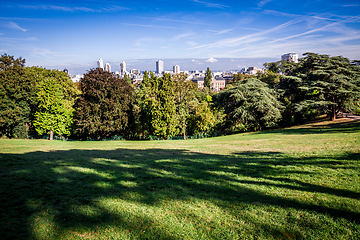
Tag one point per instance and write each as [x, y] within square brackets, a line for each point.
[74, 35]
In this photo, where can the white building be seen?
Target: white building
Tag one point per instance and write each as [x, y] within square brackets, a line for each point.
[107, 67]
[100, 64]
[290, 57]
[122, 68]
[159, 66]
[176, 69]
[135, 71]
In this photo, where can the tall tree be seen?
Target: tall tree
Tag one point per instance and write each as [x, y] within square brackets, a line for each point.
[104, 106]
[17, 97]
[186, 101]
[251, 103]
[55, 112]
[329, 83]
[208, 78]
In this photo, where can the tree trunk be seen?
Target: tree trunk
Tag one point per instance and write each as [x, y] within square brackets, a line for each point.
[51, 135]
[333, 113]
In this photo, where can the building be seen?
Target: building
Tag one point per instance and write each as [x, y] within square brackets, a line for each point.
[135, 71]
[159, 66]
[107, 67]
[122, 68]
[100, 64]
[290, 57]
[176, 69]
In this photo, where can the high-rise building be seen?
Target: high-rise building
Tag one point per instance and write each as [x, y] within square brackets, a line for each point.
[159, 66]
[100, 64]
[176, 69]
[290, 57]
[107, 67]
[122, 68]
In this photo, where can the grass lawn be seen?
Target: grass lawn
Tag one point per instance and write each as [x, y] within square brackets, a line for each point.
[296, 183]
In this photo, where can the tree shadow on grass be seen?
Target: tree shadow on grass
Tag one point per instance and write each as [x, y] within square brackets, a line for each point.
[71, 189]
[346, 127]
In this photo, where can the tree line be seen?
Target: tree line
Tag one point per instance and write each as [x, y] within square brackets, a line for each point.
[37, 101]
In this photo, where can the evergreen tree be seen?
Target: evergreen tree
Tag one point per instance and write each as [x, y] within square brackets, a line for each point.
[327, 83]
[250, 103]
[208, 78]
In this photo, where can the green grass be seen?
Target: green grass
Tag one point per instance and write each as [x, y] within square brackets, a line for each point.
[296, 183]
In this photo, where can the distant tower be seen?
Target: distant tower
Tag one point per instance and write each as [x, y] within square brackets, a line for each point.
[290, 57]
[122, 68]
[66, 71]
[176, 69]
[100, 64]
[159, 66]
[107, 67]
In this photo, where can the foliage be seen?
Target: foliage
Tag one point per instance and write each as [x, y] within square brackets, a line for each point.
[282, 66]
[17, 97]
[157, 106]
[250, 103]
[208, 78]
[104, 106]
[185, 100]
[327, 83]
[54, 112]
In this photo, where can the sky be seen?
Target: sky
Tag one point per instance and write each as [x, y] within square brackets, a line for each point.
[222, 35]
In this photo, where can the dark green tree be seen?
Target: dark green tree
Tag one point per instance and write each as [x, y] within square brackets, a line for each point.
[328, 84]
[17, 97]
[208, 78]
[104, 106]
[250, 103]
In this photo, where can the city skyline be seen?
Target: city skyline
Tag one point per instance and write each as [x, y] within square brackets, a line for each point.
[73, 35]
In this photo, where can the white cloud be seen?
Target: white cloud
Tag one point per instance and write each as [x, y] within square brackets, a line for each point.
[212, 60]
[180, 36]
[14, 25]
[191, 43]
[263, 2]
[214, 5]
[222, 31]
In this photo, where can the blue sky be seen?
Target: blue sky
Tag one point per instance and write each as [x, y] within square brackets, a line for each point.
[74, 34]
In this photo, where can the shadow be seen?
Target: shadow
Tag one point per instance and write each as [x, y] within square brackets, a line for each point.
[345, 127]
[72, 187]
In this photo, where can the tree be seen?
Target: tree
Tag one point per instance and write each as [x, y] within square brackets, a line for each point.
[328, 83]
[55, 111]
[17, 97]
[185, 100]
[104, 106]
[251, 103]
[158, 110]
[208, 78]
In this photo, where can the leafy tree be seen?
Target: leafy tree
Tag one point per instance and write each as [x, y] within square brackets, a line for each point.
[282, 66]
[17, 97]
[185, 100]
[55, 111]
[158, 110]
[328, 83]
[208, 78]
[251, 103]
[104, 106]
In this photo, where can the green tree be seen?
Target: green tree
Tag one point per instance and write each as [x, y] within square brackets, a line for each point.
[104, 107]
[185, 100]
[157, 106]
[55, 112]
[208, 78]
[328, 83]
[250, 103]
[17, 97]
